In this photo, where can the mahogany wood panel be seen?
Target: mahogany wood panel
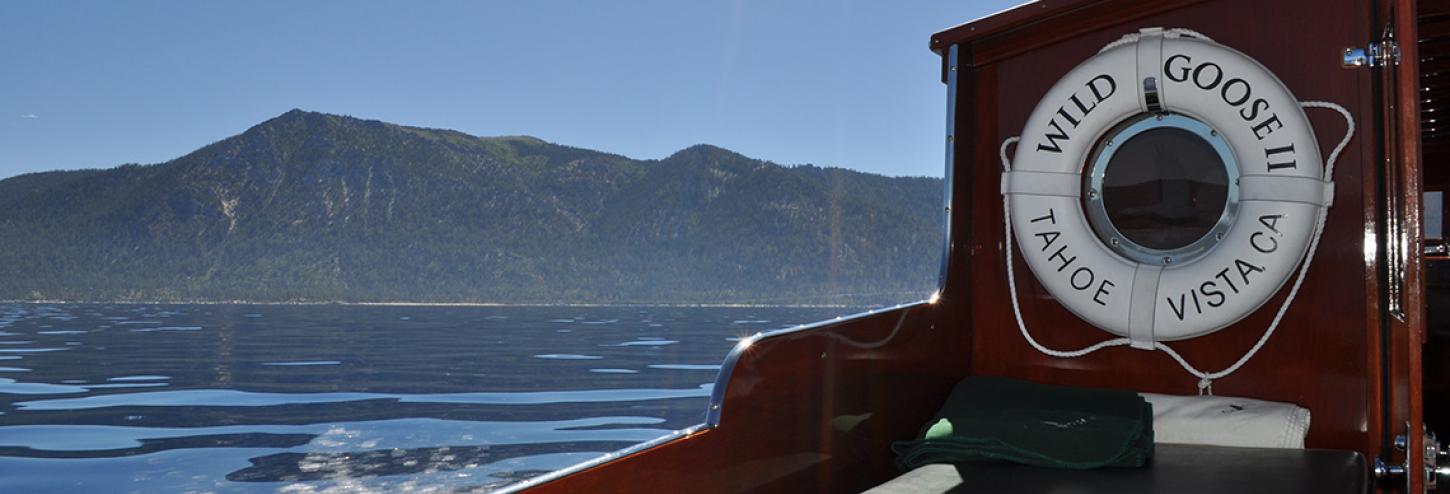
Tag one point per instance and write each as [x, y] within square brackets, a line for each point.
[1325, 354]
[812, 411]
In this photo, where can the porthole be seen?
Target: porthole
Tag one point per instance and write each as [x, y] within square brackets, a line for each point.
[1161, 189]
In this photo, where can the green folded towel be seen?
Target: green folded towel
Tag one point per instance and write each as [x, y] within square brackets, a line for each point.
[990, 418]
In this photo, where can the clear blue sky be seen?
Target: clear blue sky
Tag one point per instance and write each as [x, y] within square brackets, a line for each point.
[95, 84]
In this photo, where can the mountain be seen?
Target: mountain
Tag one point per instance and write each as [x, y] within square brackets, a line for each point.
[317, 207]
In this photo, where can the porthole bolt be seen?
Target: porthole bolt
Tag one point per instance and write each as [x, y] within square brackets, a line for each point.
[1167, 260]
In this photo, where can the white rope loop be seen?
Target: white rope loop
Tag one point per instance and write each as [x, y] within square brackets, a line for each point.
[1012, 279]
[1206, 378]
[1205, 382]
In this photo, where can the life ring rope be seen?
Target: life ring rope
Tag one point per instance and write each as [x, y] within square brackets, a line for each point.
[1170, 33]
[1205, 383]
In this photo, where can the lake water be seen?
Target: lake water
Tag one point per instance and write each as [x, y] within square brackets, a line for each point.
[303, 399]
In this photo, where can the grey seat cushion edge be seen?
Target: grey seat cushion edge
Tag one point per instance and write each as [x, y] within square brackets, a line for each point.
[1176, 468]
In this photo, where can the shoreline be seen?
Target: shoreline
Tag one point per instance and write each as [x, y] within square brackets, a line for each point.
[455, 304]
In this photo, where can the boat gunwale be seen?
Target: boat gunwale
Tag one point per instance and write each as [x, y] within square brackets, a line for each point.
[717, 395]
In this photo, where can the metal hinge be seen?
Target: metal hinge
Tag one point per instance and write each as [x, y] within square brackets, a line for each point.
[1377, 54]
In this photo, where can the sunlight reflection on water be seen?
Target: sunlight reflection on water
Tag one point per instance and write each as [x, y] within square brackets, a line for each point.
[318, 399]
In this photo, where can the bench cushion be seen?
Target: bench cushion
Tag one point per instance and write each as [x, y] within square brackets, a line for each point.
[1176, 468]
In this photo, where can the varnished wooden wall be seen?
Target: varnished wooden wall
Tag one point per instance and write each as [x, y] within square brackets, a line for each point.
[1325, 355]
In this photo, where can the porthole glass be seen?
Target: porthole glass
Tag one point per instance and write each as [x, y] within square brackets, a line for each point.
[1161, 189]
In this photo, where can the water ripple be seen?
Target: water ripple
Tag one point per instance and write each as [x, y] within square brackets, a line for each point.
[567, 356]
[643, 342]
[11, 386]
[709, 367]
[391, 433]
[237, 398]
[166, 328]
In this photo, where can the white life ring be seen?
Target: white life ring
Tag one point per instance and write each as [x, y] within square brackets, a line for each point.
[1270, 210]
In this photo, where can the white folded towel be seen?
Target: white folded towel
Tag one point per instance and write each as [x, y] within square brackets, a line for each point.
[1227, 421]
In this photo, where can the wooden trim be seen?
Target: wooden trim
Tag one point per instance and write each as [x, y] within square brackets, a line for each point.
[1102, 19]
[1032, 25]
[1408, 334]
[973, 30]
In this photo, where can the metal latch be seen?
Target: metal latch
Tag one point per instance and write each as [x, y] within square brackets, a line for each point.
[1433, 469]
[1377, 54]
[1391, 476]
[1380, 53]
[1436, 468]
